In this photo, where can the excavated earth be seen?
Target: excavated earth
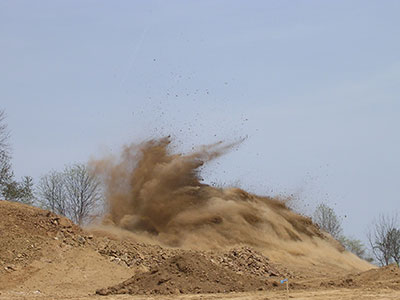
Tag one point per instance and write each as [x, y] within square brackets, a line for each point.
[46, 256]
[187, 273]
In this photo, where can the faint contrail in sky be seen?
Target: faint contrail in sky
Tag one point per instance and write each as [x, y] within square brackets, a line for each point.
[135, 49]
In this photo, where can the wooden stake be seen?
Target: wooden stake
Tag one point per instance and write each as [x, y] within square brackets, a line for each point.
[287, 289]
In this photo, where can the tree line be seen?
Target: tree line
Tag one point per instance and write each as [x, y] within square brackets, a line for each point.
[76, 193]
[11, 188]
[383, 236]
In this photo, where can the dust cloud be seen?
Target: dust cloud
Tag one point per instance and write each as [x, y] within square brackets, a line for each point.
[150, 189]
[158, 194]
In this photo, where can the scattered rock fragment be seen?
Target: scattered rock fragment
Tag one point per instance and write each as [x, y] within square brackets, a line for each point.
[187, 273]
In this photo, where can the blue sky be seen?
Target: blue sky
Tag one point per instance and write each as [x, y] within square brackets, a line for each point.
[314, 85]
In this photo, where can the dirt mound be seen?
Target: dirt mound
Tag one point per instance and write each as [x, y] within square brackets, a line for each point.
[152, 191]
[38, 247]
[25, 230]
[133, 254]
[245, 260]
[242, 260]
[384, 277]
[40, 251]
[171, 232]
[186, 273]
[159, 196]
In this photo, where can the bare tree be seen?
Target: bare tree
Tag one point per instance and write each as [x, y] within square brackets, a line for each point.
[384, 239]
[10, 189]
[83, 192]
[394, 244]
[326, 218]
[51, 192]
[75, 193]
[4, 133]
[6, 173]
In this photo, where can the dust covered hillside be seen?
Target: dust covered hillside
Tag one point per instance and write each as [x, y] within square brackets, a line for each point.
[45, 256]
[158, 196]
[166, 232]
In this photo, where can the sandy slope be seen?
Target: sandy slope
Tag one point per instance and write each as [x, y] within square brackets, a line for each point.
[43, 255]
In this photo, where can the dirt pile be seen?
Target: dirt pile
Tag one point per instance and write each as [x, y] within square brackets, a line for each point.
[245, 260]
[132, 254]
[45, 254]
[38, 248]
[41, 251]
[242, 260]
[187, 273]
[384, 277]
[166, 233]
[25, 230]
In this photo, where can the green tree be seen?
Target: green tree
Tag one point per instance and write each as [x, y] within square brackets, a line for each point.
[20, 191]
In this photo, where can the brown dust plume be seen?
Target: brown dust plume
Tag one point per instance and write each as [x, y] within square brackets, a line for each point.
[158, 194]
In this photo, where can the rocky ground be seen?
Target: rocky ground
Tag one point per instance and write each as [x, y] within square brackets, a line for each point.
[46, 256]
